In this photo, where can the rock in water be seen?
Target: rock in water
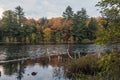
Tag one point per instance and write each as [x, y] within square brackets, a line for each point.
[33, 73]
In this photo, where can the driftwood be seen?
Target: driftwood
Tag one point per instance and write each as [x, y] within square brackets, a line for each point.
[69, 53]
[23, 59]
[15, 60]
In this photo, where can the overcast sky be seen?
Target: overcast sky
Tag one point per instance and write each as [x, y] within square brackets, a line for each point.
[49, 8]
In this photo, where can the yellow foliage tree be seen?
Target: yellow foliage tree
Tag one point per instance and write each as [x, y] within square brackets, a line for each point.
[47, 34]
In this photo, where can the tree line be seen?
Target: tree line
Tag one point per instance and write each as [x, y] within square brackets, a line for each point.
[72, 27]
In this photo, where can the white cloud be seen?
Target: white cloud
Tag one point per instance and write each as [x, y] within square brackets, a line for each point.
[1, 11]
[50, 8]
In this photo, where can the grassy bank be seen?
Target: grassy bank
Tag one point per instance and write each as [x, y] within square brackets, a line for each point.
[90, 67]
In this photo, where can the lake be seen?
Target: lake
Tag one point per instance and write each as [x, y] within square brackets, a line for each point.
[42, 62]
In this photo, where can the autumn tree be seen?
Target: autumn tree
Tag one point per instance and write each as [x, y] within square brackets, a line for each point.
[47, 34]
[56, 24]
[42, 23]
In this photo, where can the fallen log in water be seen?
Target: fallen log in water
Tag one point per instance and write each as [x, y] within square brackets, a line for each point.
[14, 60]
[23, 59]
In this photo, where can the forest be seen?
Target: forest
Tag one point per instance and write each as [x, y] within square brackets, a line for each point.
[73, 27]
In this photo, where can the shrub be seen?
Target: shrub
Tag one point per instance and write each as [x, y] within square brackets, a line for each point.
[110, 66]
[85, 65]
[89, 67]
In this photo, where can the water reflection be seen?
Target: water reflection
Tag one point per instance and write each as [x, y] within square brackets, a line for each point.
[34, 69]
[9, 52]
[92, 48]
[16, 52]
[13, 68]
[40, 62]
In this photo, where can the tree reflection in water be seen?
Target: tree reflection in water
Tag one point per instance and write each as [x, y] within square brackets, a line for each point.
[45, 62]
[14, 68]
[10, 68]
[20, 71]
[50, 67]
[16, 52]
[12, 53]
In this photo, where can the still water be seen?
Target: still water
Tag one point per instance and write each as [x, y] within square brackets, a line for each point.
[33, 62]
[32, 70]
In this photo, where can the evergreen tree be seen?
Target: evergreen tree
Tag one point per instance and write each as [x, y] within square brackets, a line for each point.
[20, 15]
[68, 14]
[92, 29]
[79, 25]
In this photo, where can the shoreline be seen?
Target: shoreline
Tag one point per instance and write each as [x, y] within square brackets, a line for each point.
[42, 43]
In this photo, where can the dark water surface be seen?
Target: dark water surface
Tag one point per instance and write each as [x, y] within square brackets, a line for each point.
[32, 62]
